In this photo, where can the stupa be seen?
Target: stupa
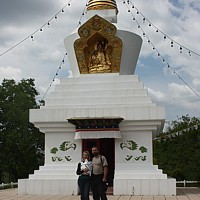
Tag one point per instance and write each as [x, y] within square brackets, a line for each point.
[103, 104]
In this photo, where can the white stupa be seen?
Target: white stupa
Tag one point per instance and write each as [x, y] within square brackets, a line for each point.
[104, 104]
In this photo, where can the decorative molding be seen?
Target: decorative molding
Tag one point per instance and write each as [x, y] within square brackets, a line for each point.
[102, 5]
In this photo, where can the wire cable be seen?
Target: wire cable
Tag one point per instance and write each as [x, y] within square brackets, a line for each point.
[62, 62]
[158, 53]
[83, 13]
[59, 67]
[158, 30]
[39, 29]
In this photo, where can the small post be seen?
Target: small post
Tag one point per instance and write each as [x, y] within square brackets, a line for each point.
[133, 191]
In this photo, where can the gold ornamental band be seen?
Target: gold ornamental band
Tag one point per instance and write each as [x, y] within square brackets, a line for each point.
[99, 5]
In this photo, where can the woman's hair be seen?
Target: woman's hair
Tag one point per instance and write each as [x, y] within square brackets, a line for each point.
[88, 154]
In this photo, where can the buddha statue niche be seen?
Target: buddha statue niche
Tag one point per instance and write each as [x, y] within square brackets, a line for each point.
[99, 61]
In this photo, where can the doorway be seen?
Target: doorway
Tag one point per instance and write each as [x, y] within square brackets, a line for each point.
[106, 147]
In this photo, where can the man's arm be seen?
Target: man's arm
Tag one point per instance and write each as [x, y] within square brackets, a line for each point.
[105, 173]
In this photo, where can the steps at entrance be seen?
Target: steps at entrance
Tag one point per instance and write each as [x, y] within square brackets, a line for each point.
[108, 192]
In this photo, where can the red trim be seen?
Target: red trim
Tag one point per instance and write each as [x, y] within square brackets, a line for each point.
[98, 129]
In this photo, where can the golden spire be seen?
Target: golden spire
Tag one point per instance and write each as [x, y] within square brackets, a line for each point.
[102, 5]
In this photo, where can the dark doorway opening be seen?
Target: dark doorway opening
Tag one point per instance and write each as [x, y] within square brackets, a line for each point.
[106, 147]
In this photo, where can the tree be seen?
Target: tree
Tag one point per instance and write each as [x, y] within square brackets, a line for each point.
[177, 151]
[21, 144]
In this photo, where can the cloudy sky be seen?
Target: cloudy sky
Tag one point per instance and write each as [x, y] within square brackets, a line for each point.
[175, 87]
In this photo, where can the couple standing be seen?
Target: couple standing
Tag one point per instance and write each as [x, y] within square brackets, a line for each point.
[92, 173]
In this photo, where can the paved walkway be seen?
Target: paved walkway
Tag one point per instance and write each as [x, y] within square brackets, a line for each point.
[182, 194]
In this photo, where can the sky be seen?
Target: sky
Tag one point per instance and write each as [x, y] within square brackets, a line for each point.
[171, 77]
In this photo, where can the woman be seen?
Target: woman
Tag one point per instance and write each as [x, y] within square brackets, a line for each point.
[84, 170]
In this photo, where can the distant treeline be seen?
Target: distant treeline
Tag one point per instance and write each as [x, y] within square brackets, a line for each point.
[177, 151]
[21, 144]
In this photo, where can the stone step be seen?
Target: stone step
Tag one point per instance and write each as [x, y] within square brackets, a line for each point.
[99, 100]
[140, 176]
[54, 172]
[99, 86]
[106, 92]
[101, 106]
[53, 176]
[99, 77]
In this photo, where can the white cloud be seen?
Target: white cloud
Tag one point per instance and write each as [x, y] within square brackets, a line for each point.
[179, 91]
[176, 101]
[196, 82]
[158, 96]
[9, 72]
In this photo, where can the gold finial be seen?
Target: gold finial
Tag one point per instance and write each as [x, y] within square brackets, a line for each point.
[102, 5]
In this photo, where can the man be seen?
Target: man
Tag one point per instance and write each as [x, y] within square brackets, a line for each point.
[99, 175]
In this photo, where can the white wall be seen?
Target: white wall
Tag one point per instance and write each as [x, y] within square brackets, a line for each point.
[142, 139]
[55, 140]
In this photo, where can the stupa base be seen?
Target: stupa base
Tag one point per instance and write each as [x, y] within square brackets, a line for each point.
[145, 186]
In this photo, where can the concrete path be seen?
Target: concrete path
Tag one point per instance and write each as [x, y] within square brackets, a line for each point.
[191, 193]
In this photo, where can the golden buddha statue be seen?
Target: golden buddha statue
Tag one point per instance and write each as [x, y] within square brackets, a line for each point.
[99, 61]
